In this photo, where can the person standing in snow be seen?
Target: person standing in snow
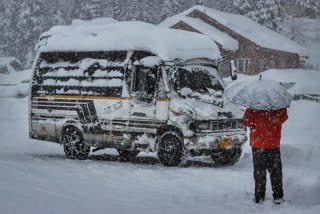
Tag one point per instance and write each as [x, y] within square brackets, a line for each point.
[265, 138]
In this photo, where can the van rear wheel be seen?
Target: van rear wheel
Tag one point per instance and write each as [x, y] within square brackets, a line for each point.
[227, 156]
[127, 155]
[170, 149]
[73, 144]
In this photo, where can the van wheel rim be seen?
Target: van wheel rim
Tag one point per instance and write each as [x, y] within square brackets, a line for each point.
[170, 147]
[74, 146]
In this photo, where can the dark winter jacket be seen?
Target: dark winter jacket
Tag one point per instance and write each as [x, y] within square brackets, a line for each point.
[265, 127]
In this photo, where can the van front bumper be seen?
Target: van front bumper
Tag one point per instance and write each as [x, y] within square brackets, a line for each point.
[208, 142]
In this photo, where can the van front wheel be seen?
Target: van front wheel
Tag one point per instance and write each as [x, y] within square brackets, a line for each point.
[170, 149]
[73, 144]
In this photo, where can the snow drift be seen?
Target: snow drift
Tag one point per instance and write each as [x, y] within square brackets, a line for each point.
[15, 84]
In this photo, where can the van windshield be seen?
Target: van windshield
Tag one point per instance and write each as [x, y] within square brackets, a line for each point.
[196, 79]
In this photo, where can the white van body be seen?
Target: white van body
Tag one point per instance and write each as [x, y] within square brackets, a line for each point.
[134, 96]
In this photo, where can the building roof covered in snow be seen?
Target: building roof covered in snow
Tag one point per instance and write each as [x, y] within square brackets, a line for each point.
[222, 38]
[168, 44]
[242, 25]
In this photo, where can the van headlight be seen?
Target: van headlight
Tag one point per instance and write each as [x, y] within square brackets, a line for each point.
[203, 125]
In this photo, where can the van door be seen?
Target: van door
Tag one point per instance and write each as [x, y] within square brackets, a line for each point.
[114, 106]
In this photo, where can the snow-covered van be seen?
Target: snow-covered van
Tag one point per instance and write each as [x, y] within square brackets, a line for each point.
[134, 87]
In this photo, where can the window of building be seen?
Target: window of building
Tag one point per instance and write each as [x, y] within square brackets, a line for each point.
[261, 64]
[272, 62]
[283, 64]
[243, 65]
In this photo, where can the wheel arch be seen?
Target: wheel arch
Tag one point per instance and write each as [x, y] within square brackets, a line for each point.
[169, 128]
[70, 123]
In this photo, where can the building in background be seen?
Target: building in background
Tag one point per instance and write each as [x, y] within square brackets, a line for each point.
[9, 65]
[253, 47]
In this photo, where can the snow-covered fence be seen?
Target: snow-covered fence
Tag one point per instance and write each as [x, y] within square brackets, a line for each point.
[311, 97]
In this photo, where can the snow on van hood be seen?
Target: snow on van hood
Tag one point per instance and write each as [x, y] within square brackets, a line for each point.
[200, 110]
[168, 44]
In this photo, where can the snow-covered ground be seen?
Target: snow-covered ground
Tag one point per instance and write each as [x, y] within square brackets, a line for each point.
[15, 84]
[36, 177]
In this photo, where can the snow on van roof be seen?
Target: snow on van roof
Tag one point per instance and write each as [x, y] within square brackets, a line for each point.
[250, 29]
[222, 38]
[168, 44]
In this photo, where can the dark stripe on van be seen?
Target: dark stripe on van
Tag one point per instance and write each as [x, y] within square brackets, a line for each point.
[84, 108]
[44, 117]
[87, 114]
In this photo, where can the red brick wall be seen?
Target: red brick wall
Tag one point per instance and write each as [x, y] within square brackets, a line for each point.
[183, 26]
[278, 59]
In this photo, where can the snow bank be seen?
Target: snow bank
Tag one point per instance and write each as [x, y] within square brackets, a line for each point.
[20, 90]
[249, 29]
[305, 81]
[168, 44]
[301, 132]
[5, 62]
[224, 39]
[15, 84]
[15, 77]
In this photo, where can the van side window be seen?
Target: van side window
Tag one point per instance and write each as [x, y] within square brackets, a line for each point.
[79, 75]
[144, 83]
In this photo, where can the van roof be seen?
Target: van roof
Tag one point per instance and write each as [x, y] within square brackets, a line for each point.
[168, 44]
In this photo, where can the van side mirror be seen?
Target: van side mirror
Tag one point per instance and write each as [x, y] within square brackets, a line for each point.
[233, 70]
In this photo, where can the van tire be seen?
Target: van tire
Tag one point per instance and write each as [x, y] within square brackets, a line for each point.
[170, 150]
[227, 157]
[127, 155]
[74, 145]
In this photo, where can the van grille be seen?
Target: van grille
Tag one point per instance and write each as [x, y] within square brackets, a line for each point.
[217, 125]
